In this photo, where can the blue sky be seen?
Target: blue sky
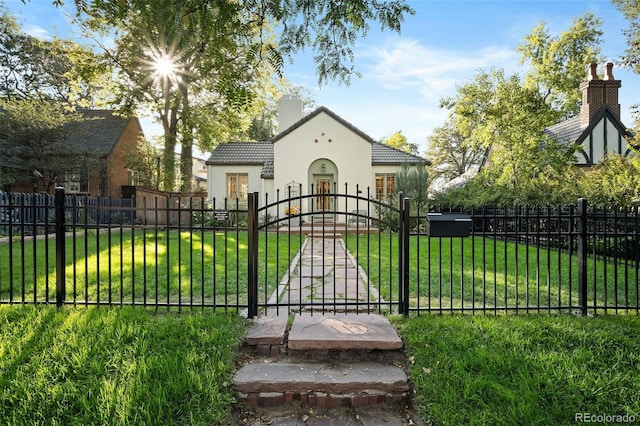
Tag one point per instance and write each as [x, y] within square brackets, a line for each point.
[404, 76]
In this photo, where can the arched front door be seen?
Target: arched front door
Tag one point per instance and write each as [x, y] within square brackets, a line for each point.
[323, 175]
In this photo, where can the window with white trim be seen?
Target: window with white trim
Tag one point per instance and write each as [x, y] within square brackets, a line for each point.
[75, 182]
[385, 185]
[237, 186]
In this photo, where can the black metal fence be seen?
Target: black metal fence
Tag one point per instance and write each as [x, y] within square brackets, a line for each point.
[576, 258]
[99, 251]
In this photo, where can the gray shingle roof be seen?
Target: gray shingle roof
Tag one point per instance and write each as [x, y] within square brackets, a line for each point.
[241, 153]
[566, 131]
[98, 132]
[385, 154]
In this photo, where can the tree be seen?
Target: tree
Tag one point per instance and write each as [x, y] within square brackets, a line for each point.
[58, 70]
[399, 141]
[557, 63]
[218, 53]
[506, 115]
[413, 182]
[613, 182]
[144, 159]
[451, 155]
[631, 11]
[631, 58]
[34, 142]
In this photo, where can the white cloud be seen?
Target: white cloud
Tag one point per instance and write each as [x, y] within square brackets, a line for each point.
[402, 63]
[37, 32]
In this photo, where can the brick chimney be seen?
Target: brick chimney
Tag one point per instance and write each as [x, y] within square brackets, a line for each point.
[597, 92]
[289, 111]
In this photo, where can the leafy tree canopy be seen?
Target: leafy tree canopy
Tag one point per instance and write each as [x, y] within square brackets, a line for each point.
[58, 70]
[506, 116]
[198, 64]
[34, 141]
[557, 63]
[399, 141]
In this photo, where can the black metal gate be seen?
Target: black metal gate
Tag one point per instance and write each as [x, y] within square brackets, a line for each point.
[349, 257]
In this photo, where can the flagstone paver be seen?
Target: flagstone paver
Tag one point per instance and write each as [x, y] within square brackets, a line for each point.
[326, 273]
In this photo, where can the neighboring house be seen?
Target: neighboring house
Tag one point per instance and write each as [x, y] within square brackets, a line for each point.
[199, 180]
[321, 152]
[104, 139]
[597, 131]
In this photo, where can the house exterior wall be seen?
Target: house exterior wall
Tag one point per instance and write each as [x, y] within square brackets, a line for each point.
[117, 173]
[217, 180]
[299, 154]
[605, 138]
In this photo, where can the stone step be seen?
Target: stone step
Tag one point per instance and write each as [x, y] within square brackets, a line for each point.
[318, 331]
[342, 332]
[321, 384]
[332, 361]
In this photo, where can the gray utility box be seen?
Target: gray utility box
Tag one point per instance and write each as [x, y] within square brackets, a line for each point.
[448, 224]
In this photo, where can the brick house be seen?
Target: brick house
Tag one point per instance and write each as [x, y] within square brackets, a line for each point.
[104, 139]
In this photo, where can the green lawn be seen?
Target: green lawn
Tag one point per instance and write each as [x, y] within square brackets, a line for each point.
[478, 272]
[121, 366]
[527, 370]
[116, 366]
[145, 267]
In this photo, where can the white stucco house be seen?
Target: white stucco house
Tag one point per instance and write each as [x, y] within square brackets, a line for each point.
[320, 153]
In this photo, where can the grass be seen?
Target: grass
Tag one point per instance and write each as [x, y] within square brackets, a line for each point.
[470, 273]
[81, 366]
[533, 370]
[122, 366]
[144, 267]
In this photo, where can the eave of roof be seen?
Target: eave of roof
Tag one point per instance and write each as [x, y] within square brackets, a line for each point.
[99, 131]
[317, 112]
[382, 154]
[570, 131]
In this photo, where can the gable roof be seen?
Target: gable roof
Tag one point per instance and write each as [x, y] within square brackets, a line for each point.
[314, 114]
[98, 132]
[570, 131]
[261, 153]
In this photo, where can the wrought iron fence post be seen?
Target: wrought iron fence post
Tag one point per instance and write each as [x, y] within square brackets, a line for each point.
[403, 254]
[405, 251]
[400, 254]
[582, 255]
[60, 247]
[252, 264]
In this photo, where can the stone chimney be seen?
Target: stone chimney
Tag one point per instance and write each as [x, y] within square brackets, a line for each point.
[596, 92]
[289, 111]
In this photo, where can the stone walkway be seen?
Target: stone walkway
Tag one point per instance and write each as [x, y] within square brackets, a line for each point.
[341, 366]
[325, 273]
